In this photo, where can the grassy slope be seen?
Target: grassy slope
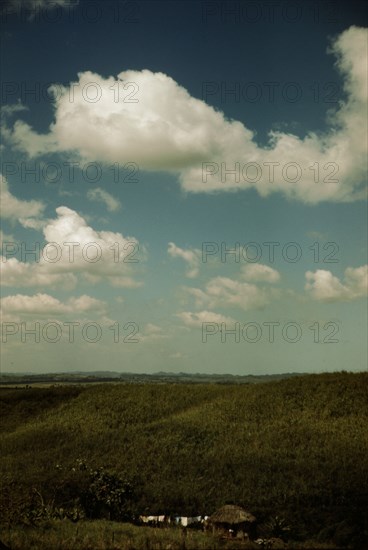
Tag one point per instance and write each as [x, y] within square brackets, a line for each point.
[296, 448]
[108, 535]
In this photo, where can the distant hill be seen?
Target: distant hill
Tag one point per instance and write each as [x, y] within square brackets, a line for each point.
[78, 377]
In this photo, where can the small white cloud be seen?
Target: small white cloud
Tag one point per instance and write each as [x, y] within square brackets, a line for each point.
[9, 110]
[32, 223]
[226, 292]
[197, 319]
[190, 256]
[152, 332]
[260, 273]
[99, 195]
[325, 287]
[13, 209]
[44, 304]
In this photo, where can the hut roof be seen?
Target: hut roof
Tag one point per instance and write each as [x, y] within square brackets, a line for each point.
[232, 515]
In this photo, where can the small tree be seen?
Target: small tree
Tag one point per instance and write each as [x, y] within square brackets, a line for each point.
[108, 495]
[84, 492]
[278, 527]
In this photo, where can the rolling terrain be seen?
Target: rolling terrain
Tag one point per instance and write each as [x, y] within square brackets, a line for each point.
[295, 448]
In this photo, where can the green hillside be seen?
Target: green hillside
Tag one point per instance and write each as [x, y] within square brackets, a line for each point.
[295, 448]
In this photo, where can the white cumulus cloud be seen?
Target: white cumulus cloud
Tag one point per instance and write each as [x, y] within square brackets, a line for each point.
[322, 285]
[225, 292]
[260, 273]
[150, 119]
[74, 249]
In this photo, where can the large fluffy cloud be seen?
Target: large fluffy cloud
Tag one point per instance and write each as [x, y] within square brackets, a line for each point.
[325, 287]
[148, 118]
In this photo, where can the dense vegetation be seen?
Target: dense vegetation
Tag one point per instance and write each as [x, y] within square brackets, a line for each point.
[295, 448]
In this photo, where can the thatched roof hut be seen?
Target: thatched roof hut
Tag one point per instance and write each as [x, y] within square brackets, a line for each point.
[233, 518]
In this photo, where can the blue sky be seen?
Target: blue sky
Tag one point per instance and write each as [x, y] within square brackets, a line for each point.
[176, 129]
